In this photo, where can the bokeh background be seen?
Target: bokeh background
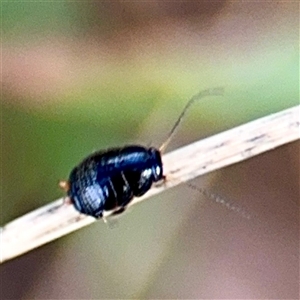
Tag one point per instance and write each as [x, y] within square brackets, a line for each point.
[81, 76]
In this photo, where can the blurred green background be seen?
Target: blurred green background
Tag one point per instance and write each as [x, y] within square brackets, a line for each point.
[81, 76]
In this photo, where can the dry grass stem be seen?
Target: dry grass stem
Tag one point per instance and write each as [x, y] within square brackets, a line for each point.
[59, 218]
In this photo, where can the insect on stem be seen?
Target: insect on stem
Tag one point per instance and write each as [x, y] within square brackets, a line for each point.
[107, 181]
[219, 91]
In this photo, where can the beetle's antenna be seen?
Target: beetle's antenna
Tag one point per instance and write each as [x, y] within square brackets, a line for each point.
[220, 200]
[209, 92]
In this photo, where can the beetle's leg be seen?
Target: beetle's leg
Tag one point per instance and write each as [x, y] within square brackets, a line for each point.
[64, 185]
[68, 200]
[111, 222]
[119, 211]
[162, 182]
[107, 218]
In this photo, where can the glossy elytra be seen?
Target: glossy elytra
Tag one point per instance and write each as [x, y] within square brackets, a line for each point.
[106, 181]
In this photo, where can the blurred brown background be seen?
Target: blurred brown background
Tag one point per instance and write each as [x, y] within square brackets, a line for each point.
[78, 76]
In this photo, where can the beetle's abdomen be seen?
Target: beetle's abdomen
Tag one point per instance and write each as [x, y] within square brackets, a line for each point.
[86, 193]
[109, 180]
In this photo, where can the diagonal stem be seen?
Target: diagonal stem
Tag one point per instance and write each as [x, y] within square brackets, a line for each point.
[59, 218]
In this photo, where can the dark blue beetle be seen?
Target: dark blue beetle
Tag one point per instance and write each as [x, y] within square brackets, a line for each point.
[108, 180]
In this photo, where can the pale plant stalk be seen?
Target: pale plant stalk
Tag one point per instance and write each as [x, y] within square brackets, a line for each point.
[59, 218]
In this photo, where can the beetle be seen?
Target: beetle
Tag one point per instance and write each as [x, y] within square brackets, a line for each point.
[107, 181]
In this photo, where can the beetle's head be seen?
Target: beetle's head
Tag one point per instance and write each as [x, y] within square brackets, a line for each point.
[156, 164]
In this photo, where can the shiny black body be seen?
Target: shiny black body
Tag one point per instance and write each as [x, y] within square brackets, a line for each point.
[108, 180]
